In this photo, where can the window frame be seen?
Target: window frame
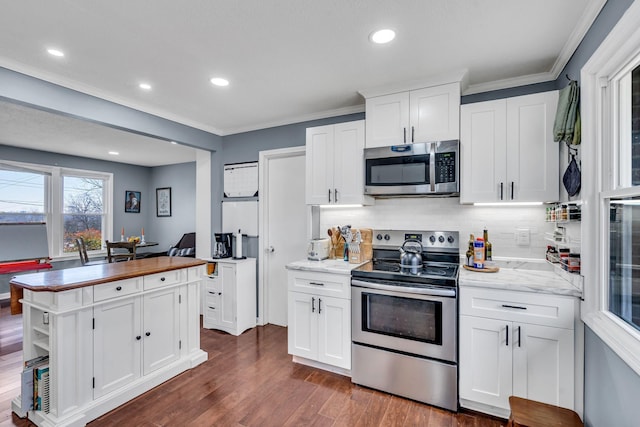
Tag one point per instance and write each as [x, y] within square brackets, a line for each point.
[600, 78]
[54, 204]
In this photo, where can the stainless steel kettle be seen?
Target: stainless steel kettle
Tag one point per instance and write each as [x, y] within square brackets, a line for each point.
[411, 256]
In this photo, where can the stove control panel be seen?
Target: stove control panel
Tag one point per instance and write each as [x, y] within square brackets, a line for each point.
[437, 240]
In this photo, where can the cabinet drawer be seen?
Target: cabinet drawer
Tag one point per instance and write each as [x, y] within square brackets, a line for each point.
[166, 278]
[210, 294]
[116, 289]
[328, 284]
[212, 283]
[540, 309]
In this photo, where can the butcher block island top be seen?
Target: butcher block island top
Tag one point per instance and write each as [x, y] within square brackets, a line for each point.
[90, 275]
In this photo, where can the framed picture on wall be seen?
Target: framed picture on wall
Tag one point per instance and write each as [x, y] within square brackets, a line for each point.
[163, 201]
[132, 201]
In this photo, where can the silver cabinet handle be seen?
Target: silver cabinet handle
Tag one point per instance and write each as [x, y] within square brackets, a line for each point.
[329, 195]
[507, 335]
[501, 190]
[519, 327]
[316, 283]
[413, 132]
[313, 305]
[319, 305]
[514, 306]
[512, 195]
[404, 135]
[335, 195]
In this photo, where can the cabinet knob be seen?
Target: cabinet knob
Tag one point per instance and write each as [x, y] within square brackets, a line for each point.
[119, 288]
[162, 279]
[219, 293]
[148, 334]
[212, 308]
[138, 337]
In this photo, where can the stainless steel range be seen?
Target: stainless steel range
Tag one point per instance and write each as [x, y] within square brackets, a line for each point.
[404, 316]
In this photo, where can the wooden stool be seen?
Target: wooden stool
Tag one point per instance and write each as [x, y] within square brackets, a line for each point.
[529, 413]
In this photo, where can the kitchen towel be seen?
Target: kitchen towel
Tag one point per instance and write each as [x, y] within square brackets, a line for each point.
[571, 178]
[567, 113]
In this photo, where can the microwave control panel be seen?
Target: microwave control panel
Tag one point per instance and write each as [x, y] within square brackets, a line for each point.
[445, 167]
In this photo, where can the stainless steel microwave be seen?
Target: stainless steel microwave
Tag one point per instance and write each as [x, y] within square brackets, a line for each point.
[428, 168]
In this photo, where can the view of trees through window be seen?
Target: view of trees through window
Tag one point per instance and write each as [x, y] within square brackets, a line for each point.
[83, 212]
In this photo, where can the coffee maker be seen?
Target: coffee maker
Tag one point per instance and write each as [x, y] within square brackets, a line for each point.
[223, 246]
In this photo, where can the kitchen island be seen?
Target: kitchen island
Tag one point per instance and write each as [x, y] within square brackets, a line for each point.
[111, 332]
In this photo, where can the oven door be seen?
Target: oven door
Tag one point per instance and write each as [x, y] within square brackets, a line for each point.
[401, 319]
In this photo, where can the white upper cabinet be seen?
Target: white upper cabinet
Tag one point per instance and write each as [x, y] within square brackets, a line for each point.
[429, 114]
[335, 164]
[507, 150]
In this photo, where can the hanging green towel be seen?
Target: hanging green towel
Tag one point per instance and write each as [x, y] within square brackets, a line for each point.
[577, 132]
[568, 102]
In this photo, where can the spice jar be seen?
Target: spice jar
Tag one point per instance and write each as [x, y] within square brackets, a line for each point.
[573, 263]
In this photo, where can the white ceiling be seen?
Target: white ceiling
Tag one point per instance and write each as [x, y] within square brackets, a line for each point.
[287, 61]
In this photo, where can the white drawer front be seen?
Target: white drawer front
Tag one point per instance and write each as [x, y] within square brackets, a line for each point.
[328, 284]
[527, 307]
[212, 283]
[196, 273]
[166, 278]
[116, 289]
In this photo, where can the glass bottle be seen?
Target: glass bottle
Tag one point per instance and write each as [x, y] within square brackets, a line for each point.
[488, 249]
[469, 254]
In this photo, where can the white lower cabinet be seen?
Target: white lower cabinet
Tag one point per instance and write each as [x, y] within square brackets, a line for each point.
[111, 342]
[320, 318]
[229, 296]
[515, 343]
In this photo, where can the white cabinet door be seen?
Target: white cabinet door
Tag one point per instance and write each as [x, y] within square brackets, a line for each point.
[319, 165]
[161, 329]
[348, 178]
[532, 155]
[334, 331]
[117, 345]
[507, 150]
[303, 325]
[485, 361]
[483, 145]
[435, 113]
[227, 302]
[387, 120]
[543, 364]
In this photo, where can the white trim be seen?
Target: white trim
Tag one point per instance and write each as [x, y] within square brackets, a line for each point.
[436, 80]
[263, 219]
[621, 45]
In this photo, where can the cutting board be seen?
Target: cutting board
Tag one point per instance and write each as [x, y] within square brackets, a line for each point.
[482, 270]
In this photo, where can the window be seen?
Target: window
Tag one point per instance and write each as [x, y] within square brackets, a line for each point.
[22, 195]
[610, 109]
[83, 212]
[73, 203]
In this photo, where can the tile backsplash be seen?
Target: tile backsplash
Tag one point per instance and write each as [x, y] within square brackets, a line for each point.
[502, 222]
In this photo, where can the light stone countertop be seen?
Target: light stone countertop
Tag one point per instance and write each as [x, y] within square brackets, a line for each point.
[538, 278]
[335, 266]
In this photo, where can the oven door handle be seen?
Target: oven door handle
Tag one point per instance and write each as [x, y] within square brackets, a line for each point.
[422, 291]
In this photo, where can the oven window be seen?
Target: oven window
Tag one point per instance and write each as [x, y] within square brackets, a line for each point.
[409, 318]
[398, 171]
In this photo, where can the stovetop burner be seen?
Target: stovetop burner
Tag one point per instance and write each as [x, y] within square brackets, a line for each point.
[427, 268]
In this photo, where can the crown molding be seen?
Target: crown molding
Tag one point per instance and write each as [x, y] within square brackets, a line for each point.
[459, 76]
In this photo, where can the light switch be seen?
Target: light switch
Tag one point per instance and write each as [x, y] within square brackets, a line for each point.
[523, 236]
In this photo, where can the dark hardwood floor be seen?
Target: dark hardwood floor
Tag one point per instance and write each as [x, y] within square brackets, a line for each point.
[250, 380]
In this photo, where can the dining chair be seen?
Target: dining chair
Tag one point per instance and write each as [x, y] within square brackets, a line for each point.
[82, 251]
[115, 252]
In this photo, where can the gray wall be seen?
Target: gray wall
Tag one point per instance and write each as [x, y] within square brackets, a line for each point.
[182, 180]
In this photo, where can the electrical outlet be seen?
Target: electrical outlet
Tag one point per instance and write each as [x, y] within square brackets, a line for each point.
[523, 236]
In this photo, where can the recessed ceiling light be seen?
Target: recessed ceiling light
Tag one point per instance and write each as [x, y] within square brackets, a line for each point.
[114, 153]
[382, 36]
[145, 86]
[55, 52]
[219, 81]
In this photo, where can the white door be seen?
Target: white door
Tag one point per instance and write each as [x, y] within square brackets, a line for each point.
[435, 113]
[388, 120]
[348, 162]
[160, 329]
[283, 231]
[334, 331]
[543, 364]
[117, 341]
[485, 361]
[303, 325]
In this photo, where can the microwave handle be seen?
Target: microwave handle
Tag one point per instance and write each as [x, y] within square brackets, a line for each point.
[432, 166]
